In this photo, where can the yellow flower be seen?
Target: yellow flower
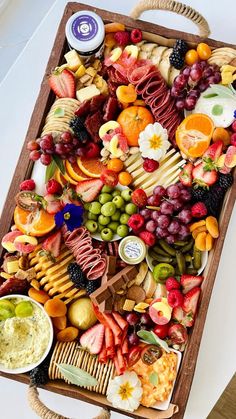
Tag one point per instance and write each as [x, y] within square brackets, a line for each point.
[153, 141]
[125, 391]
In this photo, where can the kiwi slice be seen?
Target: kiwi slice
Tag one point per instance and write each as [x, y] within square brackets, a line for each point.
[7, 309]
[24, 309]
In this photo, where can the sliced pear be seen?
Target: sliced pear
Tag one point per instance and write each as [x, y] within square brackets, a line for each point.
[149, 285]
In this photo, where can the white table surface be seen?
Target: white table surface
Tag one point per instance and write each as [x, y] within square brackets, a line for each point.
[18, 91]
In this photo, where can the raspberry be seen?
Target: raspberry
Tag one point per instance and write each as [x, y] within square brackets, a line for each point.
[175, 298]
[233, 126]
[53, 187]
[233, 139]
[139, 198]
[136, 221]
[92, 150]
[148, 238]
[199, 210]
[150, 165]
[136, 36]
[27, 185]
[172, 284]
[122, 37]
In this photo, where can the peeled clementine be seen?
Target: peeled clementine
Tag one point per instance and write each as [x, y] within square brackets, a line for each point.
[133, 120]
[194, 134]
[36, 223]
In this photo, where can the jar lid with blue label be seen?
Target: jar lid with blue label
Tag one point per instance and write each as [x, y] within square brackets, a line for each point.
[85, 31]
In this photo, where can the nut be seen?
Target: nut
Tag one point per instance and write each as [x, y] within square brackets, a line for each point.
[24, 263]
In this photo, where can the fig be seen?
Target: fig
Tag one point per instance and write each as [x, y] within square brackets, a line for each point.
[29, 201]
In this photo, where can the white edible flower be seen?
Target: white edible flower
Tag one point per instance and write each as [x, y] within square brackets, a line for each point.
[153, 141]
[125, 391]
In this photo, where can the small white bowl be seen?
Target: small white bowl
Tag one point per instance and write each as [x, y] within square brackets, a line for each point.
[29, 367]
[149, 261]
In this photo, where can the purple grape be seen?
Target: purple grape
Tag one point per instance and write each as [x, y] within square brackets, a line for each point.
[166, 208]
[132, 319]
[180, 104]
[133, 339]
[72, 159]
[60, 149]
[154, 200]
[203, 85]
[183, 231]
[144, 327]
[214, 79]
[173, 191]
[145, 319]
[174, 91]
[181, 81]
[203, 64]
[146, 213]
[163, 221]
[159, 191]
[170, 239]
[207, 72]
[185, 195]
[186, 71]
[190, 103]
[155, 215]
[79, 151]
[194, 93]
[174, 227]
[185, 216]
[196, 74]
[151, 226]
[177, 204]
[161, 233]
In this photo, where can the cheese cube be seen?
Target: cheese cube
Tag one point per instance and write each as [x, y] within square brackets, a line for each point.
[73, 59]
[87, 93]
[80, 72]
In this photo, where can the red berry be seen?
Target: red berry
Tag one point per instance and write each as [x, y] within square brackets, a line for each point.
[27, 185]
[161, 330]
[136, 221]
[45, 159]
[32, 145]
[92, 150]
[122, 37]
[150, 165]
[136, 36]
[66, 137]
[233, 126]
[34, 155]
[139, 198]
[175, 298]
[233, 138]
[199, 210]
[172, 284]
[53, 187]
[109, 178]
[148, 238]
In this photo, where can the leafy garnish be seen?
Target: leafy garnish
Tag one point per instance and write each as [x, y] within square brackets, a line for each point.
[59, 112]
[77, 376]
[152, 338]
[153, 378]
[59, 163]
[217, 110]
[210, 95]
[50, 170]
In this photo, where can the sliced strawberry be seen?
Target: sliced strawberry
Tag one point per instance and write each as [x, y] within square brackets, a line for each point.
[213, 152]
[88, 190]
[53, 244]
[62, 83]
[189, 282]
[204, 177]
[185, 175]
[178, 315]
[53, 204]
[93, 339]
[177, 334]
[191, 301]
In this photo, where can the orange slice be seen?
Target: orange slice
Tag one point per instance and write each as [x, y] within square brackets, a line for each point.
[75, 172]
[60, 178]
[37, 223]
[90, 167]
[194, 134]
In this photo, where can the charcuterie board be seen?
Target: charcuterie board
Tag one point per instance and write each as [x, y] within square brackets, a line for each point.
[133, 143]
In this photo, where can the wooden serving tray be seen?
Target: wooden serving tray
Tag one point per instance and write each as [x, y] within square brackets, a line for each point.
[24, 169]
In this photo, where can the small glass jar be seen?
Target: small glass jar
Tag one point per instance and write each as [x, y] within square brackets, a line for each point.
[85, 33]
[132, 250]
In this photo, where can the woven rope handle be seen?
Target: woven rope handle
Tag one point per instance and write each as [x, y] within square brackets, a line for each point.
[176, 7]
[45, 413]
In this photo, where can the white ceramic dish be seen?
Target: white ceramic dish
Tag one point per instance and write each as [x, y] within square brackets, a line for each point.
[149, 260]
[29, 367]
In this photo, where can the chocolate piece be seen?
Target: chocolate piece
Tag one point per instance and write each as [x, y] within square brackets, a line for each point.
[136, 293]
[108, 305]
[100, 295]
[129, 273]
[110, 269]
[116, 283]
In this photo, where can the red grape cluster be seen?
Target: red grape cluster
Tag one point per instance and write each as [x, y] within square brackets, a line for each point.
[137, 322]
[192, 81]
[170, 222]
[66, 146]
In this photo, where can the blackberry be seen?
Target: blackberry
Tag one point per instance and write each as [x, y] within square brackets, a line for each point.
[176, 60]
[92, 286]
[39, 375]
[225, 181]
[198, 194]
[77, 125]
[214, 200]
[76, 275]
[83, 136]
[181, 46]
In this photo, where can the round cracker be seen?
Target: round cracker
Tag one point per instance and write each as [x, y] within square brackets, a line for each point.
[55, 360]
[107, 376]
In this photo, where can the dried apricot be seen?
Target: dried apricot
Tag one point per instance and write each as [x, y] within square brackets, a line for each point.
[55, 307]
[196, 225]
[38, 295]
[126, 94]
[68, 334]
[60, 322]
[139, 102]
[200, 241]
[221, 134]
[110, 40]
[212, 226]
[114, 27]
[209, 242]
[198, 230]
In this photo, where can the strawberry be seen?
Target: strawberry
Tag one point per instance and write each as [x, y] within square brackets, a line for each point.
[53, 204]
[53, 244]
[178, 315]
[62, 83]
[89, 189]
[185, 175]
[189, 282]
[204, 177]
[212, 154]
[191, 300]
[93, 338]
[139, 198]
[177, 334]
